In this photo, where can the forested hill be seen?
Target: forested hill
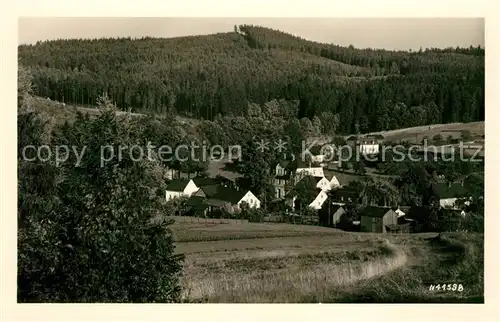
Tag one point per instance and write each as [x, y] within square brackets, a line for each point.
[203, 76]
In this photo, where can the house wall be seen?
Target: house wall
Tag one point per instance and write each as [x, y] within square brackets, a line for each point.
[337, 215]
[449, 202]
[370, 224]
[369, 148]
[280, 171]
[318, 202]
[190, 188]
[315, 172]
[188, 191]
[391, 218]
[250, 199]
[173, 194]
[324, 184]
[280, 192]
[334, 182]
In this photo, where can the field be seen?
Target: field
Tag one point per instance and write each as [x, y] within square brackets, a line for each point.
[264, 263]
[418, 133]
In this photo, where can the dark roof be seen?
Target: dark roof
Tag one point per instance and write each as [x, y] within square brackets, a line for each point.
[333, 208]
[283, 177]
[202, 181]
[405, 209]
[346, 191]
[318, 179]
[373, 211]
[454, 190]
[417, 212]
[351, 138]
[177, 184]
[308, 180]
[379, 136]
[196, 202]
[225, 194]
[309, 197]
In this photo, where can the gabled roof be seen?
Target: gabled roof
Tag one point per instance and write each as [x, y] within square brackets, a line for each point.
[224, 194]
[329, 175]
[345, 191]
[196, 202]
[445, 191]
[309, 197]
[333, 207]
[318, 179]
[202, 181]
[177, 184]
[373, 211]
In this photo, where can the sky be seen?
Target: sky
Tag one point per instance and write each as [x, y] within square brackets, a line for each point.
[388, 33]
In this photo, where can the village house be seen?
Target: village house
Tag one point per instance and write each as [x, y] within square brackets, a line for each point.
[286, 170]
[378, 219]
[343, 195]
[314, 200]
[365, 145]
[180, 188]
[212, 197]
[450, 193]
[331, 214]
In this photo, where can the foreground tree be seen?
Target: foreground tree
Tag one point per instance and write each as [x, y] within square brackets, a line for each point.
[92, 231]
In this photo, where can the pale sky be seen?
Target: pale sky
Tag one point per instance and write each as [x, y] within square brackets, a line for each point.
[389, 33]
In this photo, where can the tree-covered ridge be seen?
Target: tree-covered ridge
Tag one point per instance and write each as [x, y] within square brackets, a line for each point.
[204, 76]
[384, 61]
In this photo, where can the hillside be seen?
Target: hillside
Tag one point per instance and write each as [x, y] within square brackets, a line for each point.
[204, 76]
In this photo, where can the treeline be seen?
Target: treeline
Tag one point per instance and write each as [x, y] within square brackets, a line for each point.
[206, 76]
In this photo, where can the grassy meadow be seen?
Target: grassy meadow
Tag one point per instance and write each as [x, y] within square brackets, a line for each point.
[283, 263]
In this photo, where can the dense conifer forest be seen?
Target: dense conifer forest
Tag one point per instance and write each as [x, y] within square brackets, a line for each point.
[209, 76]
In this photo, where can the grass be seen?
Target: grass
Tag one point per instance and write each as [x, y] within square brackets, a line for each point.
[282, 263]
[452, 259]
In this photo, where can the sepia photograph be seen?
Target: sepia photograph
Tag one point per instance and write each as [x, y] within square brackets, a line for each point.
[250, 160]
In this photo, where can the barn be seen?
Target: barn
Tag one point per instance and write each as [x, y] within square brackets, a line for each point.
[378, 219]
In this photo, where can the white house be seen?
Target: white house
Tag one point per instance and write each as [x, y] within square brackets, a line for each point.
[250, 199]
[319, 200]
[334, 182]
[312, 171]
[315, 203]
[217, 196]
[180, 188]
[323, 183]
[449, 194]
[368, 145]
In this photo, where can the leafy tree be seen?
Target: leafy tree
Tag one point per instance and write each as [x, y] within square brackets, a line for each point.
[255, 168]
[305, 191]
[93, 232]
